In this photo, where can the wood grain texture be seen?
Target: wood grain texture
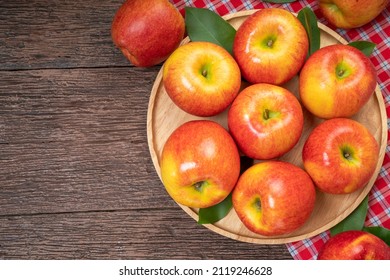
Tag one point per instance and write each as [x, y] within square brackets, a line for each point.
[75, 140]
[76, 177]
[57, 34]
[136, 234]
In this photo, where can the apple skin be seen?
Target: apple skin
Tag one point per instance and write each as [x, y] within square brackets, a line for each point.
[265, 120]
[351, 13]
[147, 32]
[201, 78]
[199, 151]
[263, 48]
[336, 81]
[340, 155]
[274, 197]
[354, 245]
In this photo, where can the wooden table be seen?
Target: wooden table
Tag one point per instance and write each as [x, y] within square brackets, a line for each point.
[76, 177]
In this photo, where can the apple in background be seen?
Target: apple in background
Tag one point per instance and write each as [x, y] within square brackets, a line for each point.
[351, 13]
[336, 81]
[274, 197]
[354, 245]
[340, 155]
[265, 120]
[201, 78]
[270, 46]
[147, 32]
[200, 164]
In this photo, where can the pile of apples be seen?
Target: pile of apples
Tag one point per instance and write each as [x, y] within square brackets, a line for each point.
[200, 161]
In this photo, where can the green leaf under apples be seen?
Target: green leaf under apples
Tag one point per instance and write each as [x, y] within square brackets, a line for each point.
[279, 1]
[215, 213]
[365, 47]
[380, 232]
[309, 21]
[205, 25]
[355, 220]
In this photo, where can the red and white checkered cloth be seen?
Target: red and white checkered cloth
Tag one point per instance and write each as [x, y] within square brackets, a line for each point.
[377, 31]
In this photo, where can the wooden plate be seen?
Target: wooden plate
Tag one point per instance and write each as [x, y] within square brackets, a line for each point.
[164, 117]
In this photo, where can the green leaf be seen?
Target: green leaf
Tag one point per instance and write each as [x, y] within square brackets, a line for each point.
[365, 46]
[279, 1]
[381, 232]
[215, 213]
[355, 220]
[309, 20]
[205, 25]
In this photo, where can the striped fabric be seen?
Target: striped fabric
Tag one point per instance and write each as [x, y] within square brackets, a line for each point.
[377, 31]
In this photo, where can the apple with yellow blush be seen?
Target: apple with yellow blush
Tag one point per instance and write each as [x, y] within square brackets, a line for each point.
[336, 81]
[270, 46]
[274, 198]
[200, 164]
[201, 78]
[351, 13]
[266, 121]
[340, 155]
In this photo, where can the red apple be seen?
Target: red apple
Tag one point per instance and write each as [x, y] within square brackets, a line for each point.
[147, 32]
[340, 155]
[200, 164]
[266, 121]
[351, 13]
[274, 197]
[336, 81]
[201, 78]
[270, 46]
[354, 245]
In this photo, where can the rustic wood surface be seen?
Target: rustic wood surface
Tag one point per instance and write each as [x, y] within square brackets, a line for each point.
[76, 177]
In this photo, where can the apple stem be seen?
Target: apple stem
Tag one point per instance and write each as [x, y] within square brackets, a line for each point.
[204, 73]
[257, 204]
[270, 43]
[340, 73]
[198, 186]
[348, 153]
[266, 114]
